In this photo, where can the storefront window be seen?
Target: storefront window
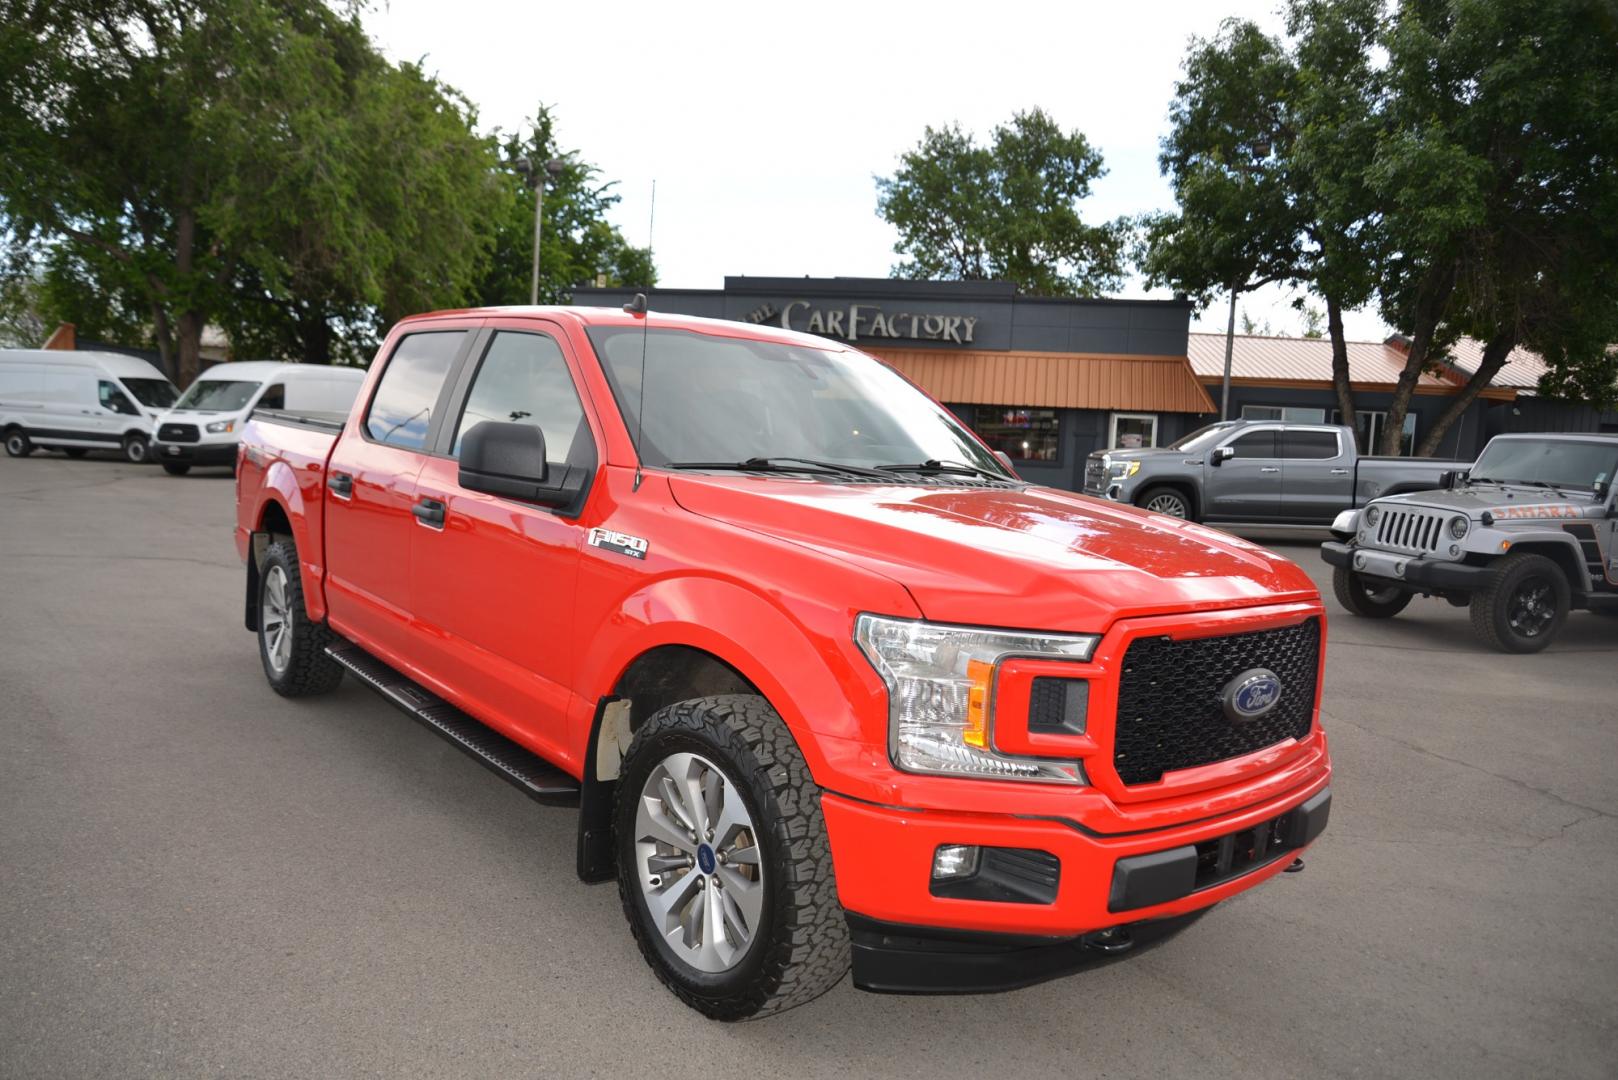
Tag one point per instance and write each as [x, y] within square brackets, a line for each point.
[1132, 431]
[1368, 427]
[1294, 414]
[1023, 434]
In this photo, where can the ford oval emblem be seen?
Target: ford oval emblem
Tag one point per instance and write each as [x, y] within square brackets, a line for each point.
[1251, 695]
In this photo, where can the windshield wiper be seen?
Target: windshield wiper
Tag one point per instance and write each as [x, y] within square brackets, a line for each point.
[933, 465]
[783, 464]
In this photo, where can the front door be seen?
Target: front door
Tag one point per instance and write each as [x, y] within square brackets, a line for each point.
[371, 489]
[1246, 487]
[493, 581]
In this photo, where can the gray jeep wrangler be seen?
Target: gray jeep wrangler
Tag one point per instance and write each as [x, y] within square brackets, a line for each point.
[1526, 535]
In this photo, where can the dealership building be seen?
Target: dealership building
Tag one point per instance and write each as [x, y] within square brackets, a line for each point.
[1049, 380]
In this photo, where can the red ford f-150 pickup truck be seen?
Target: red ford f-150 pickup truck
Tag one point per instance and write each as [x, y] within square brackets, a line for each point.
[830, 685]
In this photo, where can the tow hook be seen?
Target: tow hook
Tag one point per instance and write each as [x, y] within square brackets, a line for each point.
[1295, 867]
[1113, 941]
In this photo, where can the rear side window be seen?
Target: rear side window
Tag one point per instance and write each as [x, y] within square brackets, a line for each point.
[114, 399]
[1318, 445]
[523, 379]
[274, 398]
[1255, 444]
[402, 410]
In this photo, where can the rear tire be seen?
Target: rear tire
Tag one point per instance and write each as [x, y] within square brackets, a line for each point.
[1364, 599]
[18, 444]
[1171, 502]
[136, 449]
[291, 646]
[778, 937]
[176, 468]
[1523, 605]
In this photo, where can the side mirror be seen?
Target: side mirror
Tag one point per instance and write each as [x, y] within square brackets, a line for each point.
[1221, 454]
[1005, 459]
[509, 460]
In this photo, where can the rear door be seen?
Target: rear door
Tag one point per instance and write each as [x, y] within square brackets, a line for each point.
[1246, 487]
[371, 491]
[494, 579]
[1317, 474]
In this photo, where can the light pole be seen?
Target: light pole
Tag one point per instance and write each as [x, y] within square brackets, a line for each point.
[536, 177]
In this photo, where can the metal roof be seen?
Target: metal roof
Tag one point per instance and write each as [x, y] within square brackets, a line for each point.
[1281, 359]
[1522, 370]
[1124, 382]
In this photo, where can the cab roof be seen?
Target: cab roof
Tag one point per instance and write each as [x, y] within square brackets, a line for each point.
[586, 317]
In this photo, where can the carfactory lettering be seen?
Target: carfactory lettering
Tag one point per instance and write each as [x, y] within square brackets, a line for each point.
[866, 321]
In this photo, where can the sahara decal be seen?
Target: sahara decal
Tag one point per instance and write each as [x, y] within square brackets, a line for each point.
[1550, 510]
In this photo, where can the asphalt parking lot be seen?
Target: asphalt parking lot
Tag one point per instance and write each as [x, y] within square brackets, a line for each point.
[198, 878]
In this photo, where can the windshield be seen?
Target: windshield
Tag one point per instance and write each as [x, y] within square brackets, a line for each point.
[156, 393]
[722, 399]
[1557, 462]
[1202, 438]
[222, 395]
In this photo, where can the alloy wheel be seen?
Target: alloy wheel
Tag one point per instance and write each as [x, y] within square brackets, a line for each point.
[1171, 505]
[697, 860]
[1533, 607]
[274, 620]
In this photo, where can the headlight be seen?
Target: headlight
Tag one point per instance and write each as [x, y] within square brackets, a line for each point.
[1373, 514]
[1458, 527]
[219, 427]
[940, 680]
[1124, 469]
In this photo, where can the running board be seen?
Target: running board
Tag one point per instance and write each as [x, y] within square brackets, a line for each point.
[532, 774]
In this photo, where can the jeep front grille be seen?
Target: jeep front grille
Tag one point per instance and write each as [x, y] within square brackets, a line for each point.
[1170, 709]
[1415, 532]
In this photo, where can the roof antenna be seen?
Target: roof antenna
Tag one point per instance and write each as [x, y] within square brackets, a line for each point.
[637, 307]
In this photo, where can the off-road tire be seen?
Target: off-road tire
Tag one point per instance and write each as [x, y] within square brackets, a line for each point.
[801, 949]
[18, 443]
[75, 451]
[309, 670]
[1166, 496]
[137, 449]
[1492, 604]
[176, 468]
[1356, 596]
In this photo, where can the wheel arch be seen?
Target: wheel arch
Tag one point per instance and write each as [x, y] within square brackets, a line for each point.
[1565, 554]
[1179, 484]
[282, 511]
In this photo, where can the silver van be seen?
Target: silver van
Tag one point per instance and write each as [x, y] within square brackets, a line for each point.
[80, 401]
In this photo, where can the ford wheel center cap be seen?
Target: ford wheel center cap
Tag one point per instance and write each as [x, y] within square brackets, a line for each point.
[1251, 695]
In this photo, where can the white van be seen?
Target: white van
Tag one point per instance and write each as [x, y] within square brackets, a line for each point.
[80, 401]
[205, 425]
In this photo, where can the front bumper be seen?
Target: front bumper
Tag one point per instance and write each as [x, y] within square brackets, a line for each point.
[195, 453]
[1411, 570]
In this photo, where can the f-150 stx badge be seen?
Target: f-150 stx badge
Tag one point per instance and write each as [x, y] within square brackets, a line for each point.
[622, 543]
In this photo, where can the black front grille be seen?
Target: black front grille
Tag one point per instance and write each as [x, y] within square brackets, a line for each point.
[177, 433]
[1095, 475]
[1170, 709]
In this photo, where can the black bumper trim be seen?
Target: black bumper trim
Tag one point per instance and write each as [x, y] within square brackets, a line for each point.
[1419, 573]
[195, 453]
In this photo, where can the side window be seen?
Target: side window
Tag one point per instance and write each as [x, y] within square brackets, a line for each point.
[524, 379]
[402, 410]
[1318, 445]
[1255, 444]
[113, 399]
[274, 398]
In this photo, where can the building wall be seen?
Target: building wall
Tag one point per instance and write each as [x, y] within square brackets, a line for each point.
[1545, 414]
[1081, 432]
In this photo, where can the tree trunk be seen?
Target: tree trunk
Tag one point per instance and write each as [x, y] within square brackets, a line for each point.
[1495, 354]
[163, 334]
[189, 346]
[314, 329]
[1431, 301]
[1341, 384]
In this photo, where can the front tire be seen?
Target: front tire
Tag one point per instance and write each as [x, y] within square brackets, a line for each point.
[176, 468]
[724, 868]
[1365, 599]
[1171, 502]
[291, 646]
[136, 449]
[1524, 604]
[18, 444]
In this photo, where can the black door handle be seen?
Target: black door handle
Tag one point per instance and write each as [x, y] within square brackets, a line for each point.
[341, 484]
[429, 512]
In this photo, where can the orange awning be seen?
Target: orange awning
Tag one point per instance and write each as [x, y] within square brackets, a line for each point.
[1125, 383]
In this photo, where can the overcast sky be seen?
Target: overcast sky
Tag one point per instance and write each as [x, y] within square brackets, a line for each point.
[763, 125]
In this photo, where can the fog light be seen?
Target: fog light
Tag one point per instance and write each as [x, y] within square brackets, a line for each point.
[1455, 550]
[954, 861]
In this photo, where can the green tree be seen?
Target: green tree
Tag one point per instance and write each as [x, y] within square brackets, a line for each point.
[207, 160]
[1006, 211]
[577, 242]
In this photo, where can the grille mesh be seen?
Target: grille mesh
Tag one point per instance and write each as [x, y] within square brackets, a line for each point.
[177, 433]
[1170, 712]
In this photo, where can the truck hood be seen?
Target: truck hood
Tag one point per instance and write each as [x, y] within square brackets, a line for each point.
[1033, 557]
[1145, 453]
[1518, 501]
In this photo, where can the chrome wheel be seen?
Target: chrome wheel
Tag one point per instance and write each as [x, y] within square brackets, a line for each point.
[1167, 503]
[1532, 608]
[274, 620]
[697, 859]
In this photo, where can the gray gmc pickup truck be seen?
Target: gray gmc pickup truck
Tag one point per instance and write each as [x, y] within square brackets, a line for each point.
[1257, 472]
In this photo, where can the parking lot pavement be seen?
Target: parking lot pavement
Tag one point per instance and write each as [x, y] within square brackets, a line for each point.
[199, 878]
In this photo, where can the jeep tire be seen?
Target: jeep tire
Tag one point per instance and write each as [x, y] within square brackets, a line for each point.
[713, 802]
[1364, 599]
[1523, 605]
[291, 646]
